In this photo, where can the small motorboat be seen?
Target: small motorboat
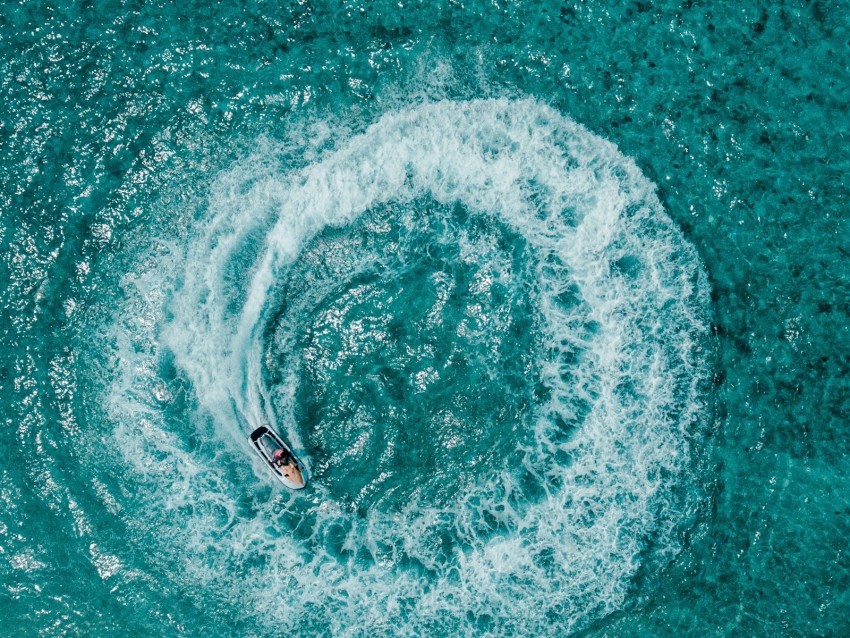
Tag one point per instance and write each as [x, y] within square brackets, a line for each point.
[288, 469]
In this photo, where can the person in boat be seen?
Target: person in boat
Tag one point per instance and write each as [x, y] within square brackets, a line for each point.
[288, 467]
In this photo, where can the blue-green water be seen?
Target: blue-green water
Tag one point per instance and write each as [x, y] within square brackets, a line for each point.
[552, 300]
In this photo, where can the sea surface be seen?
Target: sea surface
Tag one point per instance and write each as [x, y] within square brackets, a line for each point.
[550, 298]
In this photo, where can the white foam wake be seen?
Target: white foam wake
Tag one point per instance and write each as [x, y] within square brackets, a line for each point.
[623, 300]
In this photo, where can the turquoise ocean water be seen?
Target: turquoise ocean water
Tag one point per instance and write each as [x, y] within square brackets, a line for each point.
[551, 299]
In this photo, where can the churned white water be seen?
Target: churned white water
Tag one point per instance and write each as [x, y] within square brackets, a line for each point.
[604, 471]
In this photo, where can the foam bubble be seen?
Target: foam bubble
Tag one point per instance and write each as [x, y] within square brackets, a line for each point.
[622, 300]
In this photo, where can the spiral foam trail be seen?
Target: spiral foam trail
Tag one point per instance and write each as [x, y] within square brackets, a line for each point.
[594, 491]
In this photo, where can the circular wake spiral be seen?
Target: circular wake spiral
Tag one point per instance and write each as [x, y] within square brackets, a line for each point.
[558, 317]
